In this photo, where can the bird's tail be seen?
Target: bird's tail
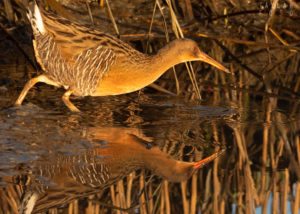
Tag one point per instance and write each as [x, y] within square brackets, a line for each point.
[36, 19]
[28, 202]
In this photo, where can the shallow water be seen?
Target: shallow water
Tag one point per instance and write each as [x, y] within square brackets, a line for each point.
[121, 151]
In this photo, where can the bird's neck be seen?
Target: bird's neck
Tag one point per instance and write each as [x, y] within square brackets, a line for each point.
[163, 60]
[143, 70]
[166, 167]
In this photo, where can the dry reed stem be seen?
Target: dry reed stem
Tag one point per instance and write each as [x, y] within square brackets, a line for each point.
[138, 36]
[97, 208]
[287, 145]
[118, 211]
[70, 208]
[157, 192]
[294, 4]
[121, 194]
[297, 143]
[54, 211]
[90, 207]
[272, 154]
[166, 197]
[168, 39]
[284, 192]
[194, 193]
[250, 187]
[12, 198]
[271, 16]
[217, 187]
[297, 199]
[178, 32]
[266, 130]
[130, 179]
[251, 194]
[291, 34]
[164, 24]
[207, 190]
[113, 196]
[8, 10]
[216, 95]
[241, 84]
[239, 192]
[151, 24]
[142, 197]
[265, 204]
[278, 36]
[279, 151]
[112, 18]
[186, 8]
[242, 149]
[175, 24]
[218, 56]
[162, 201]
[297, 85]
[185, 202]
[275, 203]
[150, 201]
[76, 208]
[89, 11]
[278, 62]
[222, 205]
[216, 182]
[234, 91]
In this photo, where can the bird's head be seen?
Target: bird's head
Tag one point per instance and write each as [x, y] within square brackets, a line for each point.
[188, 50]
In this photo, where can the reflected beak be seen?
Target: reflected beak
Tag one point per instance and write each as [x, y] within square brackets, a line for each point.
[205, 161]
[205, 58]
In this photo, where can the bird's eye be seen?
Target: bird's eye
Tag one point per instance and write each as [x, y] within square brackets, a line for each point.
[195, 51]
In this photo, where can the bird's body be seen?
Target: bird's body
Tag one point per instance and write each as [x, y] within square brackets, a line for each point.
[87, 62]
[78, 58]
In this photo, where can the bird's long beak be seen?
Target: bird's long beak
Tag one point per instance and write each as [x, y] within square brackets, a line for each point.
[205, 58]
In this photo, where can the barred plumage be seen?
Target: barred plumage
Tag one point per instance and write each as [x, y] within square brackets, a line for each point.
[91, 63]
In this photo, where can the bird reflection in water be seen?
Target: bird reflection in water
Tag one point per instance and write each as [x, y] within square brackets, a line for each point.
[115, 152]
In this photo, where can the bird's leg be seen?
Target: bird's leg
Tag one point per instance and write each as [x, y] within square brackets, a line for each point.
[67, 101]
[30, 84]
[161, 89]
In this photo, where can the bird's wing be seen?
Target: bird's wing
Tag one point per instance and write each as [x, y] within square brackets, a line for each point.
[74, 39]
